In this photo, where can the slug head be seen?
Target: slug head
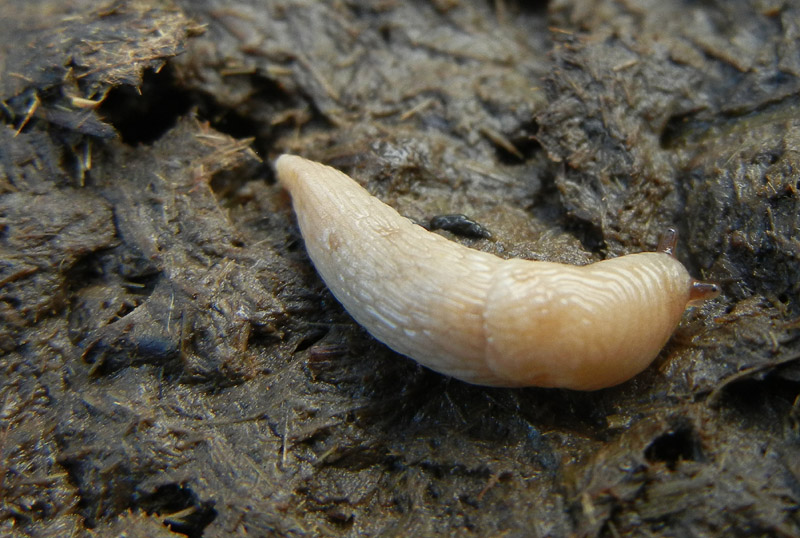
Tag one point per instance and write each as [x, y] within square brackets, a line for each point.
[700, 291]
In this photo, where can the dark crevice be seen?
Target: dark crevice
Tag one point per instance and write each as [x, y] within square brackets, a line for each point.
[265, 95]
[590, 235]
[97, 295]
[682, 127]
[313, 336]
[550, 207]
[175, 498]
[680, 444]
[537, 7]
[524, 142]
[692, 127]
[142, 115]
[765, 397]
[268, 112]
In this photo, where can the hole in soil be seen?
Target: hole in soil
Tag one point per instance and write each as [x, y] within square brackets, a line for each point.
[524, 142]
[141, 118]
[170, 500]
[674, 446]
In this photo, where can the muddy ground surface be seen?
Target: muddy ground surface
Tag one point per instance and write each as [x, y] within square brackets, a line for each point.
[172, 364]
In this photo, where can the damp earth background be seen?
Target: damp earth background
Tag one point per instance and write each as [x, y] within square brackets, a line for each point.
[171, 364]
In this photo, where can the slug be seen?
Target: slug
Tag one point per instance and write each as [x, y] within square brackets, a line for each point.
[474, 316]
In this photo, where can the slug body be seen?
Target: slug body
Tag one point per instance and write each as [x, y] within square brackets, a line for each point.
[477, 317]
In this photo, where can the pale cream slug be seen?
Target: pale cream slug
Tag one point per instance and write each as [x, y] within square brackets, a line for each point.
[477, 317]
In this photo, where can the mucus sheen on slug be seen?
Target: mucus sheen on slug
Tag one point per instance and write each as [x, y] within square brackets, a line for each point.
[477, 317]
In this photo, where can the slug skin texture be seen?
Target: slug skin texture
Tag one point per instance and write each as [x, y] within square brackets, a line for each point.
[474, 316]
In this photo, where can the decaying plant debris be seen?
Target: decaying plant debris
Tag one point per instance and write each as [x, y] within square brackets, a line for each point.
[172, 365]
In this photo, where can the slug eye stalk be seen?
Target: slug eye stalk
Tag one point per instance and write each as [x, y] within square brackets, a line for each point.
[668, 241]
[700, 291]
